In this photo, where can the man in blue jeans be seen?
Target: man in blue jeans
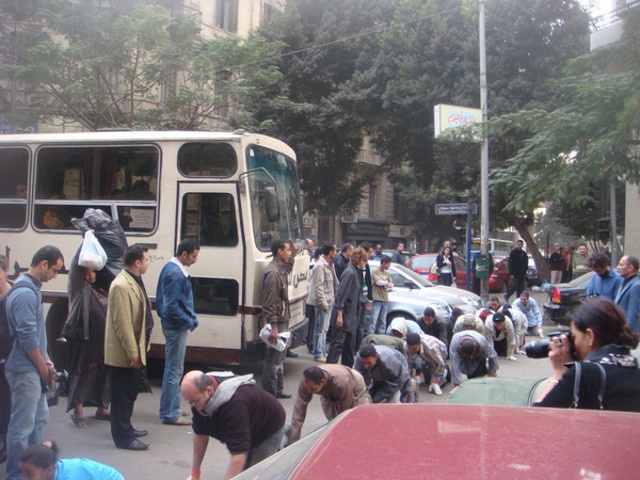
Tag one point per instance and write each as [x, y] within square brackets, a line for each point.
[174, 297]
[28, 368]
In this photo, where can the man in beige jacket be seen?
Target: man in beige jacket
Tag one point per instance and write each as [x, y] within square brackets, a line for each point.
[128, 328]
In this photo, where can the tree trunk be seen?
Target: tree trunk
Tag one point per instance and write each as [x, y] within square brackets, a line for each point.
[541, 262]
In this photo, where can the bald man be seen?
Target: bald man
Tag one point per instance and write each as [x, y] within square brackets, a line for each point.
[248, 420]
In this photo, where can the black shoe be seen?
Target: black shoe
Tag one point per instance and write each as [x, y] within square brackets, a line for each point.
[283, 395]
[292, 354]
[3, 454]
[140, 433]
[135, 445]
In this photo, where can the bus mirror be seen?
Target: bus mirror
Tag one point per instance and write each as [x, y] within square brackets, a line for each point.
[271, 201]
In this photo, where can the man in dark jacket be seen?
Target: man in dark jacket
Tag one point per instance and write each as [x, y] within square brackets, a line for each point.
[275, 309]
[249, 421]
[342, 259]
[518, 267]
[389, 374]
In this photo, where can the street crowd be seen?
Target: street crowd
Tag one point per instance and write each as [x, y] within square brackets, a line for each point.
[357, 358]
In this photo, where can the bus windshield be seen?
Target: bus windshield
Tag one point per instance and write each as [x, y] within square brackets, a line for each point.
[284, 172]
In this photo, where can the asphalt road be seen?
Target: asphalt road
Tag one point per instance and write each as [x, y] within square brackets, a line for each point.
[169, 455]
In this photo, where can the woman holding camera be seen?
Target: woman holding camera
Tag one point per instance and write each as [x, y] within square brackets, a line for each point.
[594, 369]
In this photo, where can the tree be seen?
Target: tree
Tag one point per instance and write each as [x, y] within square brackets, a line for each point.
[131, 64]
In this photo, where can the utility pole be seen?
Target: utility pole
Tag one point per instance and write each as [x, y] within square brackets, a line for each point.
[484, 152]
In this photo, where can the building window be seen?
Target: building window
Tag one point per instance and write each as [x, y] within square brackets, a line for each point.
[227, 15]
[401, 209]
[268, 11]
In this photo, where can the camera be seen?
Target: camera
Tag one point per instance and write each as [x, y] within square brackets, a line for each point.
[540, 348]
[60, 386]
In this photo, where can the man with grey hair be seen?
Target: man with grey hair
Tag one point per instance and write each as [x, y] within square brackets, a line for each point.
[628, 294]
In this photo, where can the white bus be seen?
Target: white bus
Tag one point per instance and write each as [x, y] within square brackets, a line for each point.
[235, 192]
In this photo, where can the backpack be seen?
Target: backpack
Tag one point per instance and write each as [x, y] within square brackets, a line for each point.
[7, 339]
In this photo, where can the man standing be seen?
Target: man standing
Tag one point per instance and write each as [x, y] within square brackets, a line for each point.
[342, 259]
[518, 268]
[377, 254]
[350, 301]
[434, 326]
[397, 255]
[530, 308]
[248, 420]
[472, 355]
[174, 299]
[606, 281]
[322, 295]
[340, 389]
[275, 308]
[129, 324]
[427, 356]
[381, 281]
[28, 367]
[361, 330]
[580, 263]
[628, 295]
[389, 374]
[555, 265]
[499, 332]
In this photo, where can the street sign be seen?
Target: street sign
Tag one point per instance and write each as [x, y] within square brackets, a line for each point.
[455, 208]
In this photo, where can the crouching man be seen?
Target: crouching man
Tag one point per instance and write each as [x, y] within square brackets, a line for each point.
[340, 389]
[248, 420]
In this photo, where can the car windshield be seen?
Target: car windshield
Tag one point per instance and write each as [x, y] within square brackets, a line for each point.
[423, 282]
[422, 262]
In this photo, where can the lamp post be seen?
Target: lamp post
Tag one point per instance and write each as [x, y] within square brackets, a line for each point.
[484, 152]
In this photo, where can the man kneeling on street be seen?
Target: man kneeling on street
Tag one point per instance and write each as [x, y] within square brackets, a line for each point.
[426, 355]
[388, 373]
[472, 355]
[340, 389]
[248, 420]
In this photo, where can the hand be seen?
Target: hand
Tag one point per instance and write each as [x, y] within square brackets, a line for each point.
[135, 363]
[293, 247]
[367, 305]
[559, 354]
[492, 375]
[273, 336]
[339, 320]
[325, 308]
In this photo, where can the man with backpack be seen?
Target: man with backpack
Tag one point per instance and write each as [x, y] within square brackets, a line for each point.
[28, 368]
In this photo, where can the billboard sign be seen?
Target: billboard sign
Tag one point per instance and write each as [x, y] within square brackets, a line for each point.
[452, 116]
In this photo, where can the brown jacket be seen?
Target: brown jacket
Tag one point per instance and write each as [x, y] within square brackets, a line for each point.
[125, 330]
[345, 389]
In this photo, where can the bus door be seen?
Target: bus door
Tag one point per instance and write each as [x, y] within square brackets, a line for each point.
[208, 211]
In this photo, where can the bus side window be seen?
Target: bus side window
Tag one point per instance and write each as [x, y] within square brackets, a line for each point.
[14, 165]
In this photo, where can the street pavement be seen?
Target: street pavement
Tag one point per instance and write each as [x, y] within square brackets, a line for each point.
[169, 455]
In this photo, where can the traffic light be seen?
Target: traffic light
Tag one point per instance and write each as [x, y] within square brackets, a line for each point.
[603, 229]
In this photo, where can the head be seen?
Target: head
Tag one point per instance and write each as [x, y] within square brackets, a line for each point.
[498, 320]
[582, 250]
[400, 247]
[313, 379]
[599, 322]
[495, 303]
[317, 253]
[385, 262]
[4, 268]
[446, 251]
[520, 244]
[328, 251]
[469, 347]
[429, 316]
[367, 248]
[368, 356]
[46, 263]
[346, 250]
[468, 321]
[38, 461]
[484, 314]
[136, 259]
[281, 250]
[628, 266]
[88, 274]
[359, 257]
[601, 264]
[456, 313]
[197, 388]
[378, 249]
[310, 245]
[187, 252]
[524, 298]
[414, 344]
[447, 243]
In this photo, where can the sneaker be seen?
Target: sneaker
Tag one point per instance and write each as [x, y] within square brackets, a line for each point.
[181, 421]
[321, 359]
[435, 389]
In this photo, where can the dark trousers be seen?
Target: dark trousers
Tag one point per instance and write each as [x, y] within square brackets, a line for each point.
[124, 392]
[273, 371]
[311, 315]
[361, 329]
[343, 344]
[5, 405]
[500, 346]
[518, 286]
[480, 371]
